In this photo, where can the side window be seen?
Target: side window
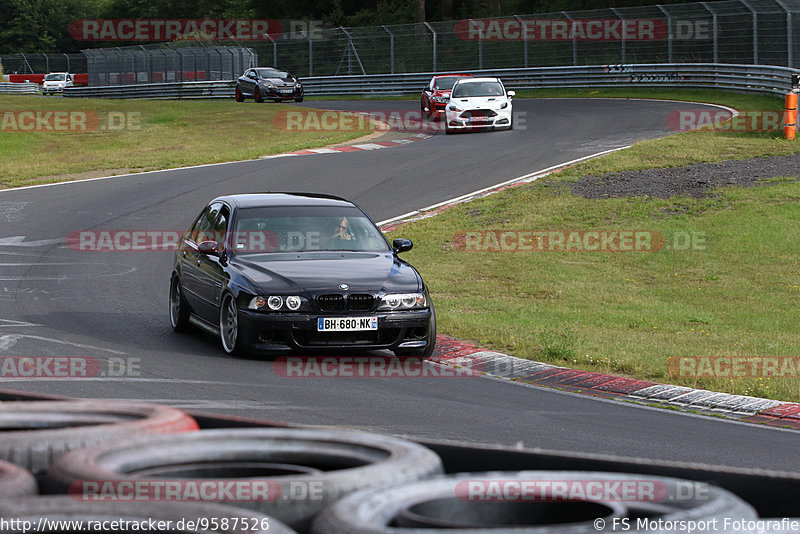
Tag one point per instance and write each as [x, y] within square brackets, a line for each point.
[221, 227]
[203, 228]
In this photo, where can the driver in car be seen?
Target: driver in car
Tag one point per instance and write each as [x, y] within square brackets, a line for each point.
[343, 232]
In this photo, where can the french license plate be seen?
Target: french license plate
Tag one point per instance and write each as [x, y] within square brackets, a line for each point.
[478, 119]
[287, 90]
[346, 324]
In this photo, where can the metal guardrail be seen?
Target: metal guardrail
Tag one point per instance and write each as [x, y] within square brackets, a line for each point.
[745, 78]
[165, 91]
[19, 88]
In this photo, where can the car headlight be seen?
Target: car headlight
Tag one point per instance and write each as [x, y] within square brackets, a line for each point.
[402, 301]
[276, 303]
[452, 107]
[298, 85]
[268, 85]
[504, 105]
[441, 99]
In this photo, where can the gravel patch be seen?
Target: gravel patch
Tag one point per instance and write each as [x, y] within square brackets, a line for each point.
[695, 180]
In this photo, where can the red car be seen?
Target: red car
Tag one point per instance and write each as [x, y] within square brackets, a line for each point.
[436, 95]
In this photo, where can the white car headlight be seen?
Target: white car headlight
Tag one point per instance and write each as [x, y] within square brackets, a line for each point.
[402, 301]
[504, 105]
[276, 303]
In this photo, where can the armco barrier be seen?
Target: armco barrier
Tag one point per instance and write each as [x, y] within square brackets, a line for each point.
[168, 91]
[746, 78]
[19, 88]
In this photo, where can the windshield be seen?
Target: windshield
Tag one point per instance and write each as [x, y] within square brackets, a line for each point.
[273, 73]
[469, 89]
[55, 77]
[445, 84]
[305, 229]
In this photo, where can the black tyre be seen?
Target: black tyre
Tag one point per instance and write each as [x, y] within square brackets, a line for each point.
[298, 99]
[179, 311]
[38, 432]
[257, 96]
[238, 96]
[449, 503]
[204, 517]
[426, 351]
[229, 332]
[447, 129]
[297, 463]
[16, 481]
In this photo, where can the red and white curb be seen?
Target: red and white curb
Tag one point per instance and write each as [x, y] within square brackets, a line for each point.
[354, 148]
[454, 353]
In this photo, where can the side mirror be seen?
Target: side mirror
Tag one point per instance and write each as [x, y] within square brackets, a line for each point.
[402, 245]
[207, 247]
[512, 93]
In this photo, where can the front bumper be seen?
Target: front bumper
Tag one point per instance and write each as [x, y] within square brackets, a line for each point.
[457, 121]
[282, 92]
[284, 332]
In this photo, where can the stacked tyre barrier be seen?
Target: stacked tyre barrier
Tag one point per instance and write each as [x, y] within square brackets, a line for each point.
[115, 465]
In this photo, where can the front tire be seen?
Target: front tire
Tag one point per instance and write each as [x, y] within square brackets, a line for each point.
[298, 99]
[239, 97]
[229, 326]
[257, 96]
[178, 307]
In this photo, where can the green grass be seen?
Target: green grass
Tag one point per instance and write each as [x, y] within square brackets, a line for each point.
[170, 134]
[733, 294]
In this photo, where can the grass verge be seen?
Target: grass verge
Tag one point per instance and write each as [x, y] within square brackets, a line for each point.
[138, 135]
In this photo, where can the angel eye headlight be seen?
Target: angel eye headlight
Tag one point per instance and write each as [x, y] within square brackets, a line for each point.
[293, 302]
[275, 302]
[403, 301]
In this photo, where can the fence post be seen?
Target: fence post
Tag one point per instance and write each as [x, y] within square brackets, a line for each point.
[391, 48]
[789, 51]
[669, 32]
[480, 45]
[524, 40]
[434, 44]
[746, 4]
[623, 42]
[574, 41]
[714, 29]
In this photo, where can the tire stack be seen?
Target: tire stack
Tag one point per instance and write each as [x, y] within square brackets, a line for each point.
[314, 481]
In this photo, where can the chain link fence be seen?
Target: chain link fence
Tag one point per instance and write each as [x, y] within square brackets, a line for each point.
[754, 32]
[166, 62]
[757, 32]
[42, 63]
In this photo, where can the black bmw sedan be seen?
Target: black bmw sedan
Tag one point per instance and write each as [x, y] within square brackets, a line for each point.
[280, 272]
[268, 83]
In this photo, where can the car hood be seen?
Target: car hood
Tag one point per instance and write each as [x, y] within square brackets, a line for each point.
[278, 81]
[315, 272]
[479, 101]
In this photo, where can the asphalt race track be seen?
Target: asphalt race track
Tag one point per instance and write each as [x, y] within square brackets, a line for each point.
[57, 301]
